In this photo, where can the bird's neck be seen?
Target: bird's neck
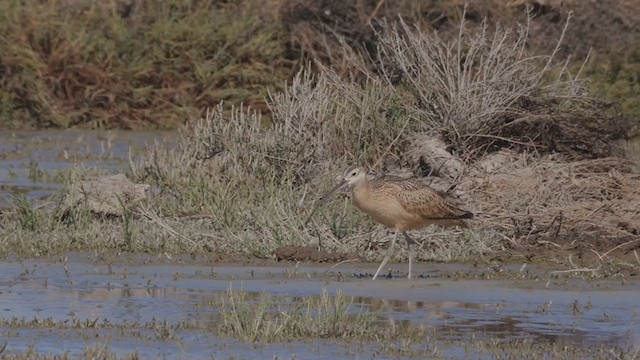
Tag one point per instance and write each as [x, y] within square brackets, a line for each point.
[360, 190]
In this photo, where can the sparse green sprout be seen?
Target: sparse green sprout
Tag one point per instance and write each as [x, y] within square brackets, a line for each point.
[27, 216]
[259, 318]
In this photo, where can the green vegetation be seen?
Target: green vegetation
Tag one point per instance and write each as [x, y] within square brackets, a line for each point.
[150, 64]
[156, 64]
[27, 215]
[326, 317]
[619, 82]
[90, 352]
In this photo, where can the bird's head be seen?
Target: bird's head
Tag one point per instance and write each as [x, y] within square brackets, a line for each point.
[351, 178]
[354, 176]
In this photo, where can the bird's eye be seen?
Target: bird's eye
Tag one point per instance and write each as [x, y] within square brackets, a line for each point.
[354, 173]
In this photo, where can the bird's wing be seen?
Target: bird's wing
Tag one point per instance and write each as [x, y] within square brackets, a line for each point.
[419, 199]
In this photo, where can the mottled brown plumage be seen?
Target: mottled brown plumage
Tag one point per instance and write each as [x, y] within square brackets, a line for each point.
[409, 203]
[401, 204]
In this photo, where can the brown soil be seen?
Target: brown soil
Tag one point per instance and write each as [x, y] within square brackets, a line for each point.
[307, 253]
[621, 261]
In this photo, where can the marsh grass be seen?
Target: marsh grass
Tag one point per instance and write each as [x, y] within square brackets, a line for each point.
[127, 226]
[247, 321]
[263, 320]
[526, 349]
[111, 65]
[259, 182]
[89, 352]
[440, 350]
[35, 173]
[249, 317]
[27, 216]
[332, 316]
[237, 183]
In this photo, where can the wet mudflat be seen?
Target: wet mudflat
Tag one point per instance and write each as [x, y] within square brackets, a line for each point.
[163, 308]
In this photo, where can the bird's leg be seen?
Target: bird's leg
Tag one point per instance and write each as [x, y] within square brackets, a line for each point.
[410, 243]
[386, 258]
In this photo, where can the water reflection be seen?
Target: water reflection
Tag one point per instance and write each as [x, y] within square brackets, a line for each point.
[149, 293]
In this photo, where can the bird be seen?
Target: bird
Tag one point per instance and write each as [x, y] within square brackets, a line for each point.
[401, 204]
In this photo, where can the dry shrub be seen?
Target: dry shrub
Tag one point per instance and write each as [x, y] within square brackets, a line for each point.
[360, 122]
[482, 99]
[253, 181]
[606, 30]
[479, 92]
[534, 201]
[482, 92]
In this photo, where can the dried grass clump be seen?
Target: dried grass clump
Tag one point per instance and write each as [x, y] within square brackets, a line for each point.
[534, 201]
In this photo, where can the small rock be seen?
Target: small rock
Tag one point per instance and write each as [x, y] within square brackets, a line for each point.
[105, 195]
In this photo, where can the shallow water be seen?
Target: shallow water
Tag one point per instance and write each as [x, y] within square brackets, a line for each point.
[576, 313]
[22, 153]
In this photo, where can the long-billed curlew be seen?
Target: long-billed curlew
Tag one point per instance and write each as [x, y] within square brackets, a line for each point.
[400, 204]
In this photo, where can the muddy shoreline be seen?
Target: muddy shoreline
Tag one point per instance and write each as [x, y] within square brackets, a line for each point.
[126, 299]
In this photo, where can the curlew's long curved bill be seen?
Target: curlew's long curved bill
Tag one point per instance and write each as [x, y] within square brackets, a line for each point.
[330, 193]
[326, 197]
